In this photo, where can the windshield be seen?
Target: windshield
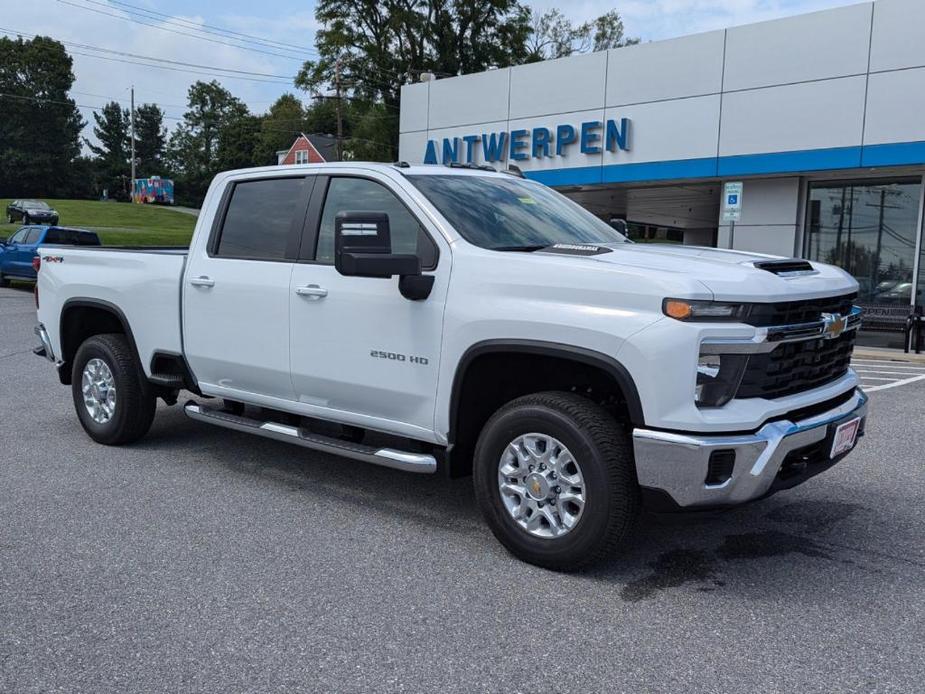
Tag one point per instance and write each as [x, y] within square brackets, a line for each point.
[35, 205]
[512, 213]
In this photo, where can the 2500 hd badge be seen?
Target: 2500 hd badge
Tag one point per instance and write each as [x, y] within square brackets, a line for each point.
[394, 356]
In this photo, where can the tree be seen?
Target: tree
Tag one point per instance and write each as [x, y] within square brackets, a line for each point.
[150, 140]
[608, 32]
[193, 149]
[238, 142]
[113, 151]
[279, 127]
[552, 35]
[40, 125]
[369, 48]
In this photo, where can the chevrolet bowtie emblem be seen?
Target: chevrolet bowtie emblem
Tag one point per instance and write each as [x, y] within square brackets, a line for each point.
[833, 325]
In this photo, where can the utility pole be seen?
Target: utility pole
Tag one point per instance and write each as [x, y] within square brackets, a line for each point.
[132, 124]
[340, 121]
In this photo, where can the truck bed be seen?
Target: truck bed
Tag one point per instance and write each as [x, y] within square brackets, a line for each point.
[142, 283]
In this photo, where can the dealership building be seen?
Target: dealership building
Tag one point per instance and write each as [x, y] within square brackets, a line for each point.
[820, 116]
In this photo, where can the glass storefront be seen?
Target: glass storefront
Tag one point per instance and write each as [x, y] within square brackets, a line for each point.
[871, 229]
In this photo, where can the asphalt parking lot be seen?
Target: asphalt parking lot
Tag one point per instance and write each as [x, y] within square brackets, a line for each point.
[205, 560]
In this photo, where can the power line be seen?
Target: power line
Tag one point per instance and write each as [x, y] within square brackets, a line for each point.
[175, 31]
[174, 69]
[210, 68]
[202, 27]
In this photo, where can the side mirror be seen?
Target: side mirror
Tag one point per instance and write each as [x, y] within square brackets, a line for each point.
[620, 225]
[363, 248]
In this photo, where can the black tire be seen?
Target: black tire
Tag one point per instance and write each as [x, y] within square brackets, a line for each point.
[4, 282]
[9, 218]
[603, 451]
[135, 402]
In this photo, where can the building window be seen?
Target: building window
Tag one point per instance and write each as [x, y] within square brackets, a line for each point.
[871, 230]
[301, 156]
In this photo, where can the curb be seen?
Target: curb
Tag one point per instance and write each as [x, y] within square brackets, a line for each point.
[888, 355]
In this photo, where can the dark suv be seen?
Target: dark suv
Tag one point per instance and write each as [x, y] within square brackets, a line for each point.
[31, 212]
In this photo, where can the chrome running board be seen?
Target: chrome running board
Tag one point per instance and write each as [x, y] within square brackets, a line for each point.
[387, 457]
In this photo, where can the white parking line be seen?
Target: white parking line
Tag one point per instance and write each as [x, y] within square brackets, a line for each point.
[897, 364]
[895, 384]
[880, 374]
[893, 373]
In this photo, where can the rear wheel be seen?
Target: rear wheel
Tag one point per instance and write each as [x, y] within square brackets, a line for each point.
[555, 481]
[113, 399]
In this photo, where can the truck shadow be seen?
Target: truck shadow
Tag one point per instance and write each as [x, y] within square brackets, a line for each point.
[706, 552]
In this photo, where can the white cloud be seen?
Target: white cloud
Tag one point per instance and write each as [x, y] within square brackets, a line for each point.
[652, 20]
[99, 81]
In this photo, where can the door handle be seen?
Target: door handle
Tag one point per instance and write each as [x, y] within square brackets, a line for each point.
[202, 281]
[313, 291]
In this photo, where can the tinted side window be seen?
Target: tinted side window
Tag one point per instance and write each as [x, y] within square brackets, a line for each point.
[259, 218]
[33, 236]
[18, 236]
[59, 236]
[363, 195]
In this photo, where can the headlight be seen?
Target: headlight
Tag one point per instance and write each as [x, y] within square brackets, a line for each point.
[682, 309]
[718, 378]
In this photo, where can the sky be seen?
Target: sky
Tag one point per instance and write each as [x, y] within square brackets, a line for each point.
[290, 25]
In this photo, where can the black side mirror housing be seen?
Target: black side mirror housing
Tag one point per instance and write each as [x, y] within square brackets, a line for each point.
[363, 248]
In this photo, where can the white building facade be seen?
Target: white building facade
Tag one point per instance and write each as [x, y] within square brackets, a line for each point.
[821, 116]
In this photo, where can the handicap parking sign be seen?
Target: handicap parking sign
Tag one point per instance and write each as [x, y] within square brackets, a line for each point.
[732, 201]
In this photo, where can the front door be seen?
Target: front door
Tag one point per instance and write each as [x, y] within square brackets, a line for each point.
[361, 353]
[21, 251]
[236, 292]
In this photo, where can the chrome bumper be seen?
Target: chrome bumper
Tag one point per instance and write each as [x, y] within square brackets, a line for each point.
[45, 350]
[678, 464]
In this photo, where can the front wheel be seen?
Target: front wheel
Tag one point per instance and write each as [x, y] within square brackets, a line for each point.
[112, 397]
[25, 220]
[555, 480]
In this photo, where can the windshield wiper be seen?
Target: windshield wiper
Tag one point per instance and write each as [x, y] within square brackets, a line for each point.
[519, 249]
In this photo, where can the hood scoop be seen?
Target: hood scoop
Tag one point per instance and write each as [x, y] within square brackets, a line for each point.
[576, 249]
[794, 267]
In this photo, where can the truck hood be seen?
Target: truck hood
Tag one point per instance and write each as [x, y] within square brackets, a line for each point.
[729, 275]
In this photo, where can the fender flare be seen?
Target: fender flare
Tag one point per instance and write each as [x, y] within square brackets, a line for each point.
[86, 302]
[550, 349]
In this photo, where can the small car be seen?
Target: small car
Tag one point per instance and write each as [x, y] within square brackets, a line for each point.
[31, 212]
[17, 252]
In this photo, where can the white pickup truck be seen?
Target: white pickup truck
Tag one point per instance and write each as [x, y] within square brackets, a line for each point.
[454, 318]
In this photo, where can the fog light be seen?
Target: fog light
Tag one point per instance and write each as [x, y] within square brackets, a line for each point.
[720, 466]
[718, 378]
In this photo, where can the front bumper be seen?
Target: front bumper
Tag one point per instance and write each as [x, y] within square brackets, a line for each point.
[674, 469]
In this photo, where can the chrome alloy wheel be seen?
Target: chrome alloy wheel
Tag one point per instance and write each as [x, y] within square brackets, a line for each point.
[541, 485]
[99, 391]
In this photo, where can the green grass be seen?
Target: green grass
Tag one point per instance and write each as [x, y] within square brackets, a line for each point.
[119, 223]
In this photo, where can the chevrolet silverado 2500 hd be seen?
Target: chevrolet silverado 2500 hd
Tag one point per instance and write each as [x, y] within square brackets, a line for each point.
[438, 317]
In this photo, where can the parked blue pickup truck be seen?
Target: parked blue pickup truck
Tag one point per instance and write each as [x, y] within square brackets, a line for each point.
[17, 252]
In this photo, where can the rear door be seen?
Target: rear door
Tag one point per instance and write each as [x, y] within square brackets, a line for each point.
[361, 353]
[236, 290]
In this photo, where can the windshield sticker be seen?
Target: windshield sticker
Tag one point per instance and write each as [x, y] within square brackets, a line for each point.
[527, 201]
